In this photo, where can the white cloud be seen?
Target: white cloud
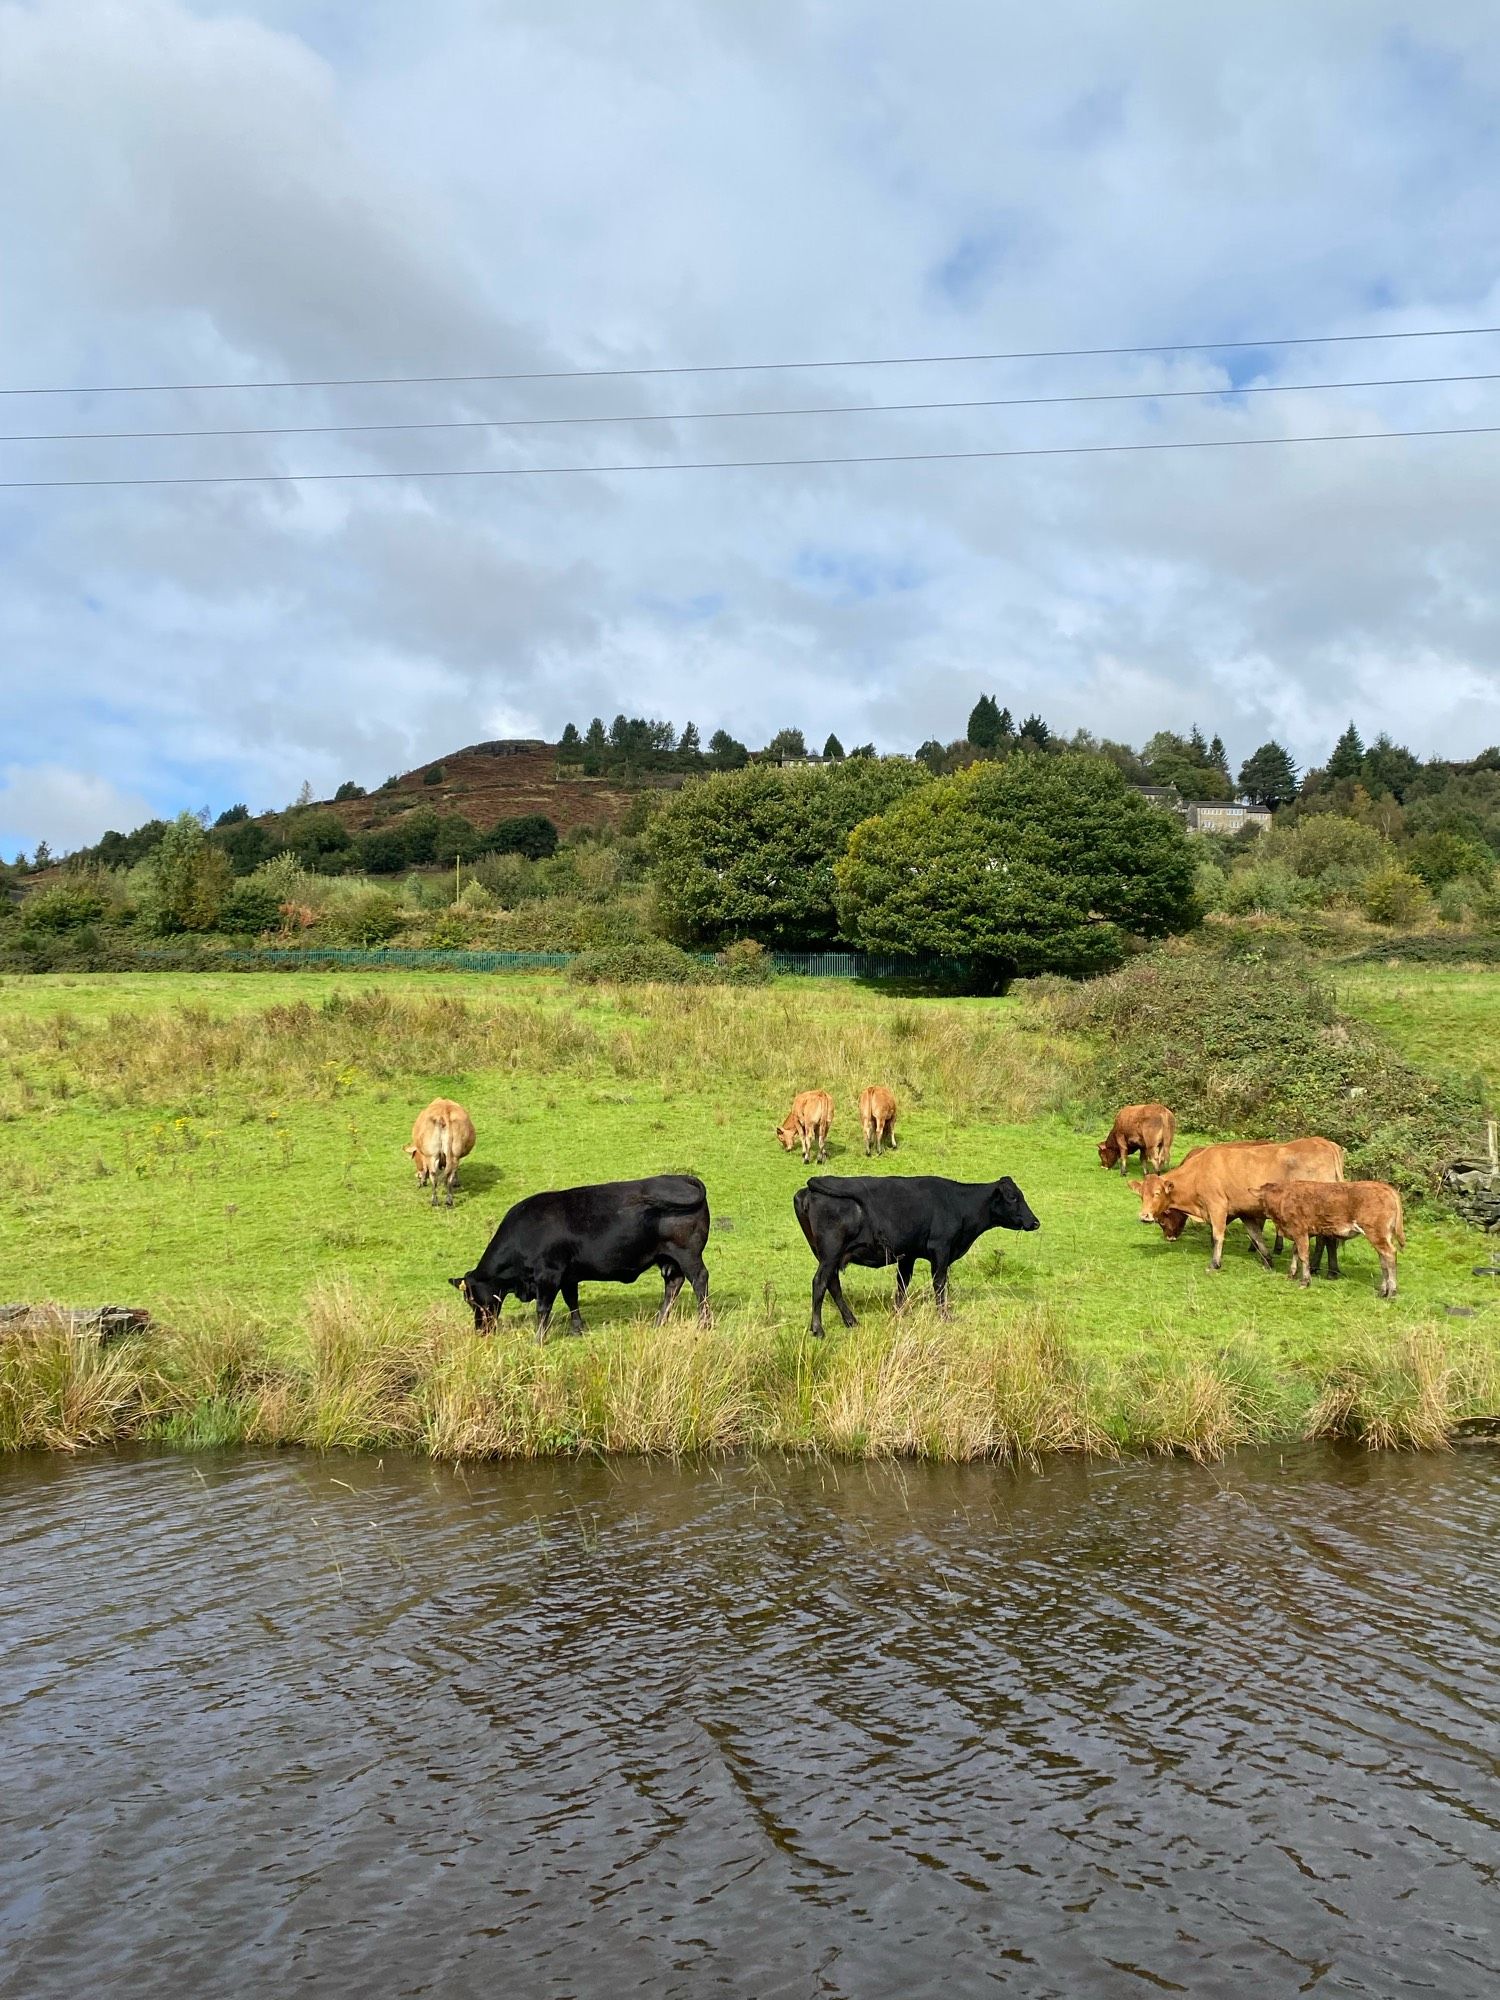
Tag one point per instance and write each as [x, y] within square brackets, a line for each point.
[71, 807]
[361, 188]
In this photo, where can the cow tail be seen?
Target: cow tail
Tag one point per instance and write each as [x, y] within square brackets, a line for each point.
[1399, 1232]
[1339, 1159]
[442, 1145]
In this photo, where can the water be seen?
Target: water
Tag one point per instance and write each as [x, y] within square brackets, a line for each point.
[276, 1723]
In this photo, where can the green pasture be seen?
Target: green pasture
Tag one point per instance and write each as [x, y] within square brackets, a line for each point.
[1441, 1017]
[166, 1148]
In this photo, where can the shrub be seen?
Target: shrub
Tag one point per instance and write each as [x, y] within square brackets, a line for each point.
[68, 907]
[368, 917]
[186, 879]
[251, 906]
[651, 962]
[1233, 1049]
[433, 775]
[746, 963]
[1394, 895]
[348, 790]
[530, 834]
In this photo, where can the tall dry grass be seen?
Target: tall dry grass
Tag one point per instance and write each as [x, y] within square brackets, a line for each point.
[361, 1376]
[970, 1059]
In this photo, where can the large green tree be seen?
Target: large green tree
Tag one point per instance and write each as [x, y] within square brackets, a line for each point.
[750, 853]
[1348, 755]
[1268, 777]
[1039, 864]
[985, 730]
[187, 879]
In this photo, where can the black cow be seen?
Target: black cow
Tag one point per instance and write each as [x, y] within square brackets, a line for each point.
[615, 1231]
[896, 1221]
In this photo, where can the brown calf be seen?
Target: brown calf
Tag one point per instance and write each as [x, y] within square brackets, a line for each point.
[1222, 1184]
[1147, 1129]
[807, 1123]
[1372, 1209]
[877, 1117]
[442, 1136]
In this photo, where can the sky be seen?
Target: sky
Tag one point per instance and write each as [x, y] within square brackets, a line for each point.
[299, 189]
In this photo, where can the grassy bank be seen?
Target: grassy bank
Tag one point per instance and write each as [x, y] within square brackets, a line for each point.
[227, 1153]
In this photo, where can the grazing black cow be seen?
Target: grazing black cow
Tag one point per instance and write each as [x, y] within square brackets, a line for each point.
[856, 1220]
[615, 1231]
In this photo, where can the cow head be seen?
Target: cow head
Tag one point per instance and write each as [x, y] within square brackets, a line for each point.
[788, 1135]
[482, 1299]
[420, 1162]
[1109, 1152]
[1156, 1192]
[1008, 1209]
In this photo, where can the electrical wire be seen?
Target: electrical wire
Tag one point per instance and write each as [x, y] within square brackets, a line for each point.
[715, 416]
[756, 367]
[746, 464]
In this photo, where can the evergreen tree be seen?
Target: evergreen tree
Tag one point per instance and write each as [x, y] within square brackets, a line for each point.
[984, 730]
[787, 743]
[1218, 756]
[1348, 755]
[1269, 777]
[1034, 733]
[43, 856]
[570, 745]
[1197, 744]
[1007, 725]
[688, 744]
[727, 753]
[932, 755]
[833, 750]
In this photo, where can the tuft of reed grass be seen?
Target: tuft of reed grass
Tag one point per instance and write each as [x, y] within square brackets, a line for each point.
[62, 1390]
[1407, 1395]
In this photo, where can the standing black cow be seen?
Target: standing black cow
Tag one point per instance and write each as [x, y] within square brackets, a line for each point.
[615, 1231]
[896, 1221]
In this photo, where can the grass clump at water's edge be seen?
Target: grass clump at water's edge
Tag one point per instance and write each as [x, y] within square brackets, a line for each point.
[367, 1377]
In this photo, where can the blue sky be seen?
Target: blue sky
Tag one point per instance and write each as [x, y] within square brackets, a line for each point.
[359, 187]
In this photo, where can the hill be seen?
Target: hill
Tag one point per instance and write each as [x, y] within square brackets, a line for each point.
[504, 779]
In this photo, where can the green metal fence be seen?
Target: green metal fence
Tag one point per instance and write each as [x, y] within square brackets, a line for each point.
[809, 964]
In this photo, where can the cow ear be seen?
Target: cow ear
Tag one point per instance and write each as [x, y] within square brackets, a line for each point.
[1139, 1186]
[457, 1284]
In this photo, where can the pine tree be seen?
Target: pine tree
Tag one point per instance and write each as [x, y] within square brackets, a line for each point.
[1197, 744]
[1007, 725]
[571, 740]
[1269, 777]
[1218, 756]
[688, 743]
[1348, 755]
[595, 738]
[984, 730]
[1035, 733]
[833, 750]
[787, 743]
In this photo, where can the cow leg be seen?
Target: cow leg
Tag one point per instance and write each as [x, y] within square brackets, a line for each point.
[1333, 1255]
[569, 1289]
[823, 1149]
[1387, 1257]
[806, 1150]
[1301, 1257]
[546, 1293]
[1218, 1224]
[1258, 1243]
[869, 1135]
[940, 1290]
[821, 1278]
[672, 1283]
[452, 1179]
[696, 1272]
[905, 1266]
[890, 1137]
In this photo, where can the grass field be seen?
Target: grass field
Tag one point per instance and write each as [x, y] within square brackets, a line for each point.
[227, 1152]
[1439, 1016]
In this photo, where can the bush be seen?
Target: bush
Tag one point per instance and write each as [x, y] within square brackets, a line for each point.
[68, 907]
[1394, 895]
[348, 790]
[433, 775]
[252, 905]
[1232, 1049]
[368, 917]
[746, 963]
[651, 962]
[530, 834]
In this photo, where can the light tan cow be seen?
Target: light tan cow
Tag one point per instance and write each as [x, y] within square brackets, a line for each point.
[807, 1123]
[1221, 1184]
[1147, 1129]
[877, 1118]
[1302, 1210]
[442, 1136]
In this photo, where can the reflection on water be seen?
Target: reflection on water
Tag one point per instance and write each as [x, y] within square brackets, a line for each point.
[276, 1723]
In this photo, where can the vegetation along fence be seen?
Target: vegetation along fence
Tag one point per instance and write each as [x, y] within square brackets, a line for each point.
[813, 964]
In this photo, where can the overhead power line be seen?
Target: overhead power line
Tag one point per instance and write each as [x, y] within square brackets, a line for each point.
[748, 464]
[756, 367]
[715, 416]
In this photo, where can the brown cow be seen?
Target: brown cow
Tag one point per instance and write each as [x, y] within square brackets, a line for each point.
[1147, 1129]
[1372, 1209]
[807, 1123]
[442, 1136]
[1221, 1184]
[877, 1117]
